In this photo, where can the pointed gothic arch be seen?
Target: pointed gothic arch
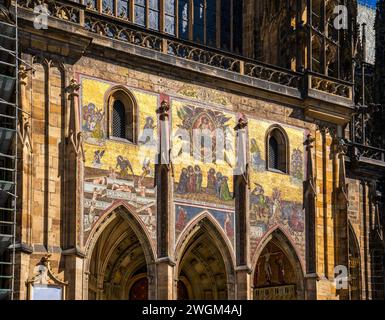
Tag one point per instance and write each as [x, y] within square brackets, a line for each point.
[119, 254]
[284, 279]
[205, 260]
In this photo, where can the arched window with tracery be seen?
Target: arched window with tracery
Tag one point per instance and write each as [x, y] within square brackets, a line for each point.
[277, 150]
[122, 115]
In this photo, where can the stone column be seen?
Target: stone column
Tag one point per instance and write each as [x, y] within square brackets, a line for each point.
[24, 244]
[310, 212]
[72, 222]
[165, 213]
[242, 195]
[341, 201]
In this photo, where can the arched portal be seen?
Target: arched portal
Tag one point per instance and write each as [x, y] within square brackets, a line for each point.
[119, 260]
[278, 272]
[354, 267]
[205, 269]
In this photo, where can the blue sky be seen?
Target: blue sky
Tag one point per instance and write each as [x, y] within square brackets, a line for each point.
[370, 2]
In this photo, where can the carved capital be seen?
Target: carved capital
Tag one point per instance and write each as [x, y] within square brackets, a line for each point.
[322, 129]
[326, 128]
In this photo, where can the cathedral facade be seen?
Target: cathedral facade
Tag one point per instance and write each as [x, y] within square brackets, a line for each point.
[196, 149]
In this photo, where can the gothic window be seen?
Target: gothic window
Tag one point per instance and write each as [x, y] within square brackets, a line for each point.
[108, 6]
[237, 26]
[317, 54]
[140, 12]
[123, 9]
[122, 113]
[211, 23]
[153, 14]
[277, 150]
[146, 13]
[226, 24]
[199, 21]
[169, 24]
[184, 13]
[198, 16]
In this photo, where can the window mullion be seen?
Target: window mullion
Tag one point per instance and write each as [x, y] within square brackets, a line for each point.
[177, 18]
[162, 15]
[232, 25]
[191, 18]
[218, 23]
[267, 142]
[131, 12]
[205, 21]
[147, 11]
